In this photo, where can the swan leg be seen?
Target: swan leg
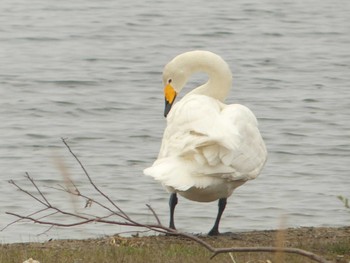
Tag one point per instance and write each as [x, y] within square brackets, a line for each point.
[215, 230]
[172, 204]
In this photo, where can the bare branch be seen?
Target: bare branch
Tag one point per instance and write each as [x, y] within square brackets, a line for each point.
[154, 214]
[90, 180]
[79, 194]
[48, 215]
[50, 223]
[47, 230]
[37, 188]
[26, 192]
[16, 221]
[126, 220]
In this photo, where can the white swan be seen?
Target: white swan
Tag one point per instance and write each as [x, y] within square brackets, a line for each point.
[208, 148]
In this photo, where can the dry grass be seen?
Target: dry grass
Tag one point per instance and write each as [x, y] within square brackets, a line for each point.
[331, 243]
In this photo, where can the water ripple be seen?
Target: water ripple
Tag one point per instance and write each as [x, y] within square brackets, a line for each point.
[91, 72]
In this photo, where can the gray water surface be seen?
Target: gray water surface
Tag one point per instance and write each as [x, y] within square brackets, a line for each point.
[90, 71]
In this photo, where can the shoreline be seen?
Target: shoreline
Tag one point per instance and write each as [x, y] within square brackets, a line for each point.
[333, 243]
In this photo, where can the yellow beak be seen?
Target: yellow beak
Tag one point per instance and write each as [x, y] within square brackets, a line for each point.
[170, 95]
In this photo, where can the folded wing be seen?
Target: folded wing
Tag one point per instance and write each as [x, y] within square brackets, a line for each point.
[206, 140]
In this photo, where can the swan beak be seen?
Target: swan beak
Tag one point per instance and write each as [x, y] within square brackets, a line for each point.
[170, 95]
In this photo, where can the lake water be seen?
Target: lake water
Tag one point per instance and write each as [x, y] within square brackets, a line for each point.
[90, 71]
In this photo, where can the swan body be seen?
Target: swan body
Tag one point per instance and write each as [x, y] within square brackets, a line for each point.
[208, 148]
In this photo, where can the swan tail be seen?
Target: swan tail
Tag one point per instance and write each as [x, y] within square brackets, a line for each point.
[171, 172]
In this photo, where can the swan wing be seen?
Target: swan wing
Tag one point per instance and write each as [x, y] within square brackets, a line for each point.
[206, 140]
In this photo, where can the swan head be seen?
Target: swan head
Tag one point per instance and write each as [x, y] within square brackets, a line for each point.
[178, 71]
[174, 79]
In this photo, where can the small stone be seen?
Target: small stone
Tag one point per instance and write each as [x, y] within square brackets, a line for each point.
[30, 260]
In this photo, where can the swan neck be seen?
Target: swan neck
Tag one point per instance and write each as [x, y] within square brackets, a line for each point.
[219, 73]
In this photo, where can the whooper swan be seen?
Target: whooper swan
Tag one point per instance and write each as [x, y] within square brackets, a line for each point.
[208, 148]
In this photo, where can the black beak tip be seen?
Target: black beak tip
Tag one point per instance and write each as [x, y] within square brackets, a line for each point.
[167, 108]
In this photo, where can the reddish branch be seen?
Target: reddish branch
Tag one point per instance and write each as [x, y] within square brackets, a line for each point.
[122, 217]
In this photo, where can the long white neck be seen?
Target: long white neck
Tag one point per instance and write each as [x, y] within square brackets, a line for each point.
[220, 76]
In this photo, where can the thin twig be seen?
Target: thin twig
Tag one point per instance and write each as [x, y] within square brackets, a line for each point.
[91, 182]
[154, 214]
[16, 221]
[51, 214]
[47, 230]
[51, 223]
[47, 205]
[89, 220]
[79, 194]
[26, 192]
[37, 188]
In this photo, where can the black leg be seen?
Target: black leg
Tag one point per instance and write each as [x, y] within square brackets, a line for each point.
[215, 230]
[172, 204]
